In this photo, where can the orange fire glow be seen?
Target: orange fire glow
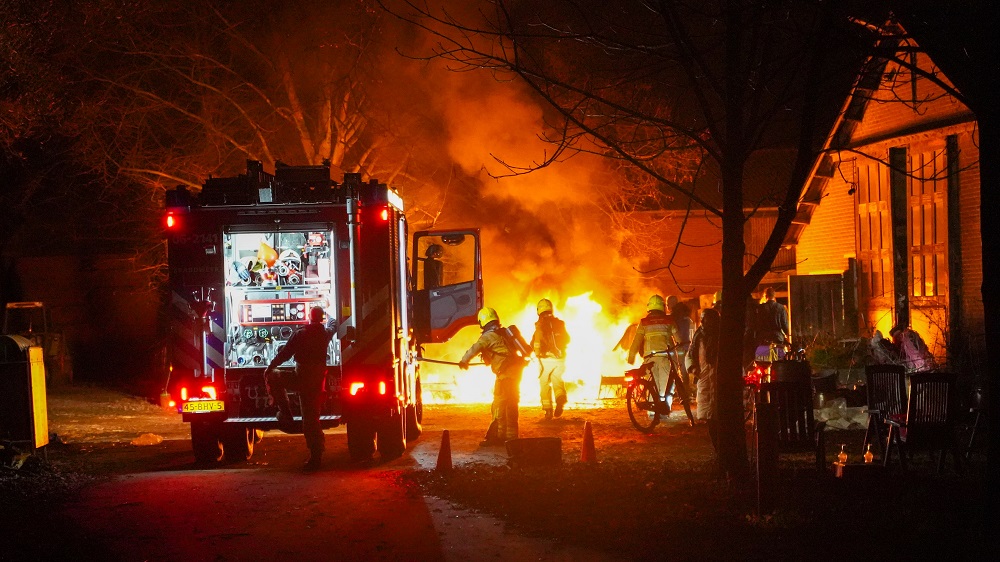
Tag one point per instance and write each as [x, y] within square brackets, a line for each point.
[593, 334]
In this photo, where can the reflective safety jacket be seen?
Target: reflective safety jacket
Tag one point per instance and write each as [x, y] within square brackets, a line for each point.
[550, 338]
[656, 332]
[493, 348]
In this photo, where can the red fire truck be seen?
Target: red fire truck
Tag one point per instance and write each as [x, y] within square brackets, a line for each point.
[250, 256]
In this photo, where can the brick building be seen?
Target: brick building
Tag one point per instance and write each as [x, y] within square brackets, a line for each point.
[890, 215]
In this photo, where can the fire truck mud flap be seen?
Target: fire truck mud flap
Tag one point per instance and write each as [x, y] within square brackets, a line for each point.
[361, 438]
[392, 435]
[206, 441]
[238, 442]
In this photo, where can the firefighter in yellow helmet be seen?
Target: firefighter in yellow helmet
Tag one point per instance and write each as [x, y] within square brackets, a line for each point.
[504, 350]
[656, 332]
[549, 344]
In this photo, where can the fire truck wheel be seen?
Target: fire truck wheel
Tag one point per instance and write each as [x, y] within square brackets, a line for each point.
[205, 442]
[392, 436]
[415, 416]
[361, 439]
[237, 443]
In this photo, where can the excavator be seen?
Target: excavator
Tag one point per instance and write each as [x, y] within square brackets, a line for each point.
[32, 320]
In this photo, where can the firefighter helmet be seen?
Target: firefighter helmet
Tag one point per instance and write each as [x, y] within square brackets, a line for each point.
[656, 302]
[487, 315]
[434, 251]
[544, 305]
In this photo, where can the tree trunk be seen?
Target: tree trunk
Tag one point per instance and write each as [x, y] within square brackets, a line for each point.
[989, 174]
[729, 392]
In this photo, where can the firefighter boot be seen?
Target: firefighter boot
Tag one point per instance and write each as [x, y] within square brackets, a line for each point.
[314, 463]
[548, 415]
[559, 408]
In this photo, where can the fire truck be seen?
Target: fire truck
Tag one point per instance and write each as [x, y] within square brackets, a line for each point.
[250, 256]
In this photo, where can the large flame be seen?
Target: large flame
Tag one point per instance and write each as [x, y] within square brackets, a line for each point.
[590, 355]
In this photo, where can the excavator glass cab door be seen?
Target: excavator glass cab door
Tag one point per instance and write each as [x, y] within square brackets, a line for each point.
[447, 282]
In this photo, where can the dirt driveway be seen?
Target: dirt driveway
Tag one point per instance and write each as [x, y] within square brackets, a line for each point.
[151, 502]
[649, 497]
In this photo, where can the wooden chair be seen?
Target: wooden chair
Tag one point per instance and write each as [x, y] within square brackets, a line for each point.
[929, 421]
[885, 386]
[787, 407]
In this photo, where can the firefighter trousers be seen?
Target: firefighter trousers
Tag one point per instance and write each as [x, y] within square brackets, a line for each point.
[550, 381]
[506, 398]
[310, 386]
[661, 373]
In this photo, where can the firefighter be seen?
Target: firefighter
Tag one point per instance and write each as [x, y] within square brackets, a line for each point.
[549, 344]
[656, 332]
[433, 268]
[498, 349]
[309, 348]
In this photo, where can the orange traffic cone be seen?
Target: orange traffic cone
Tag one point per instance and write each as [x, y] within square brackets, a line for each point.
[444, 454]
[588, 454]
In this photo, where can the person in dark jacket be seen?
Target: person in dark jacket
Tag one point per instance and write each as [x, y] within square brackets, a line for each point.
[433, 267]
[549, 344]
[772, 321]
[308, 347]
[681, 315]
[507, 365]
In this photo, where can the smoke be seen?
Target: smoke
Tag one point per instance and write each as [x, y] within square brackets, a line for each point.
[545, 232]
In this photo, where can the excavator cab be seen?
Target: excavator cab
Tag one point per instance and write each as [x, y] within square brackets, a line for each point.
[32, 320]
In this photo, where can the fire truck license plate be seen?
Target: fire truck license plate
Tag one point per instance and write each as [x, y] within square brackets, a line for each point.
[204, 406]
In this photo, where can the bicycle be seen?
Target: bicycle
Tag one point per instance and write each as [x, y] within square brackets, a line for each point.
[642, 399]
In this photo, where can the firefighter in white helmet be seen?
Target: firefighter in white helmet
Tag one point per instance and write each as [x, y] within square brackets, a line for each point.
[656, 332]
[549, 344]
[501, 350]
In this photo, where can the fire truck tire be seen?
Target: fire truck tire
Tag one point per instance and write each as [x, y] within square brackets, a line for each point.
[361, 439]
[392, 436]
[415, 417]
[205, 442]
[237, 443]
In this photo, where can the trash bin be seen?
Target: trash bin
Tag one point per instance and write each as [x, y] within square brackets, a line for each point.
[24, 417]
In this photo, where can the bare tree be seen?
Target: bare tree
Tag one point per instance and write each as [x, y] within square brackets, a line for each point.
[669, 87]
[187, 90]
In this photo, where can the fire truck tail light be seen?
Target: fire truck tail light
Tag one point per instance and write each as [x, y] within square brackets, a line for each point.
[210, 392]
[355, 387]
[381, 387]
[384, 214]
[171, 221]
[184, 393]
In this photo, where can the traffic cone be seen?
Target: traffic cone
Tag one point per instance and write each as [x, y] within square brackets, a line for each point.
[444, 453]
[588, 454]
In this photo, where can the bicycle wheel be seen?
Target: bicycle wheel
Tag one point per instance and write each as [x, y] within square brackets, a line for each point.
[641, 401]
[680, 388]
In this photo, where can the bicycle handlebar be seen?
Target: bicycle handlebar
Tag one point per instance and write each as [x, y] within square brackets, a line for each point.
[662, 353]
